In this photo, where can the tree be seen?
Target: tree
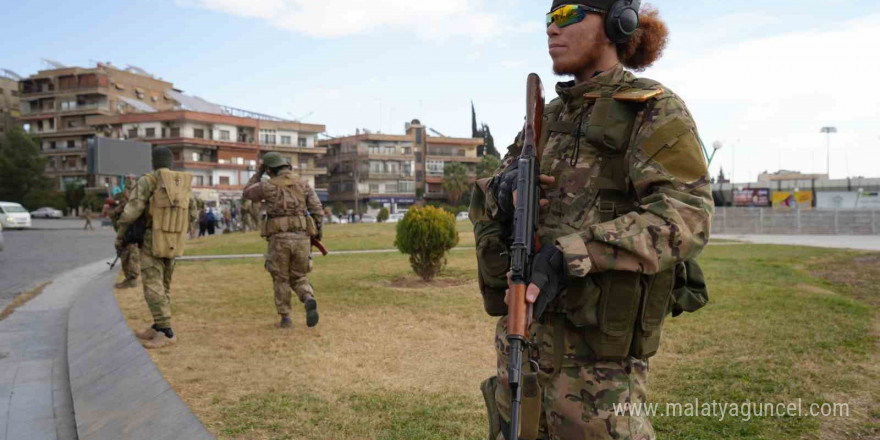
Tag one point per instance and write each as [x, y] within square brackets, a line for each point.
[455, 181]
[74, 192]
[487, 166]
[489, 143]
[339, 209]
[21, 166]
[426, 234]
[383, 215]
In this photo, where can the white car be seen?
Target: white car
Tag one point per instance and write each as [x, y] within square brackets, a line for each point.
[47, 212]
[368, 219]
[394, 218]
[13, 215]
[462, 216]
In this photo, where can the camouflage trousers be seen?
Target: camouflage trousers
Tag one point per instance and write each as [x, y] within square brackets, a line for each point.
[577, 391]
[156, 276]
[289, 260]
[131, 265]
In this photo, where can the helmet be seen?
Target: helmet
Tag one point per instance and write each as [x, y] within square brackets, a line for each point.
[274, 160]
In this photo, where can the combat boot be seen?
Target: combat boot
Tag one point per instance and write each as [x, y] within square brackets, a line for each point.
[285, 322]
[127, 283]
[160, 340]
[311, 312]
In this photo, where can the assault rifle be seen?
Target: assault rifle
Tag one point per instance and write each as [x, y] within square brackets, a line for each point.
[317, 243]
[525, 219]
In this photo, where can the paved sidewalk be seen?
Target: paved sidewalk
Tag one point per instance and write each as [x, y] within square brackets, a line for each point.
[35, 400]
[860, 242]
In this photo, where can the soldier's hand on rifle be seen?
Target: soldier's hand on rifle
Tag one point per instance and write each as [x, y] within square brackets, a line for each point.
[548, 279]
[505, 190]
[118, 244]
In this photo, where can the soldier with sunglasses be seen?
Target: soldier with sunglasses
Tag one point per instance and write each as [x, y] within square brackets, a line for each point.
[627, 209]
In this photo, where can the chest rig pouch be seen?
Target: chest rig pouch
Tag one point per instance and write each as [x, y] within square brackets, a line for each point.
[622, 313]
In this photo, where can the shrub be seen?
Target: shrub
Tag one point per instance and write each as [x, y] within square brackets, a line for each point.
[426, 234]
[383, 214]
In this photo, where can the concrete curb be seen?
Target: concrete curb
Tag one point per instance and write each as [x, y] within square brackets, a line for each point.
[118, 392]
[332, 253]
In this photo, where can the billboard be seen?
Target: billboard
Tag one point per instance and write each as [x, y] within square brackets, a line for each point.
[831, 200]
[751, 197]
[117, 157]
[791, 200]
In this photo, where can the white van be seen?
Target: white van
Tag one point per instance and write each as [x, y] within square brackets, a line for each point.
[13, 215]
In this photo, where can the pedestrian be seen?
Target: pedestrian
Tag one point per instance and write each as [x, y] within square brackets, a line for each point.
[627, 202]
[294, 215]
[212, 221]
[87, 215]
[203, 222]
[227, 220]
[168, 193]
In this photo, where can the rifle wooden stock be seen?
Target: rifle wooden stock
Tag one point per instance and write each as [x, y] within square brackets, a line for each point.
[317, 243]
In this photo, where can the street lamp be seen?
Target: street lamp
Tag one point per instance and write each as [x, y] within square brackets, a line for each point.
[828, 131]
[715, 147]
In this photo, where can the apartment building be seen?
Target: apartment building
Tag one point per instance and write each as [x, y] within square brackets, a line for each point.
[56, 103]
[220, 150]
[392, 170]
[10, 107]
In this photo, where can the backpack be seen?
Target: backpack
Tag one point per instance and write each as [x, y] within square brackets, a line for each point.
[169, 210]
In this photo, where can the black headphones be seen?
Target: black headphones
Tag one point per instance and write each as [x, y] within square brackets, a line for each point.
[622, 20]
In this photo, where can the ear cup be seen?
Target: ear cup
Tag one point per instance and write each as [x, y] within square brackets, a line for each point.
[622, 20]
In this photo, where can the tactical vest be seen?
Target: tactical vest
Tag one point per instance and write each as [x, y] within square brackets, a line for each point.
[169, 211]
[286, 208]
[627, 308]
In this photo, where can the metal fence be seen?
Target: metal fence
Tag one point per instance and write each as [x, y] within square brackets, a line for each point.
[770, 221]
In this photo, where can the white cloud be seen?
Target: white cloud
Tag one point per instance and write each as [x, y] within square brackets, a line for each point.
[322, 18]
[775, 93]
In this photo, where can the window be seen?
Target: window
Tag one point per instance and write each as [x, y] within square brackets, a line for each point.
[376, 167]
[71, 144]
[419, 176]
[239, 161]
[374, 188]
[286, 140]
[301, 142]
[132, 133]
[164, 131]
[224, 135]
[418, 156]
[391, 188]
[175, 132]
[198, 133]
[224, 180]
[199, 181]
[150, 132]
[434, 167]
[52, 124]
[196, 157]
[303, 162]
[406, 187]
[267, 137]
[407, 151]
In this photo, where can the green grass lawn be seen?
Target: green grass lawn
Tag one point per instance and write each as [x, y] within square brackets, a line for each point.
[361, 236]
[784, 323]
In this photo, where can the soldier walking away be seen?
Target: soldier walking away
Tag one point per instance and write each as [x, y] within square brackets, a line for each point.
[162, 202]
[294, 216]
[626, 209]
[129, 255]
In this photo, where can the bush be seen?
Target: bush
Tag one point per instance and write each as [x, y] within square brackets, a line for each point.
[383, 214]
[38, 199]
[426, 234]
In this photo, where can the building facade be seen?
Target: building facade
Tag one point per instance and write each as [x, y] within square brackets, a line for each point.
[392, 170]
[221, 151]
[56, 103]
[10, 106]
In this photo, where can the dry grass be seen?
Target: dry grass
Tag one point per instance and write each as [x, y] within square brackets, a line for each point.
[390, 363]
[21, 300]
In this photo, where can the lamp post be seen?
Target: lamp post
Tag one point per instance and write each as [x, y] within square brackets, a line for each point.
[828, 131]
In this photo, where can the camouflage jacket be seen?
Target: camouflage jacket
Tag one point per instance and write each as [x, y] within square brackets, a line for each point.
[664, 165]
[265, 192]
[138, 204]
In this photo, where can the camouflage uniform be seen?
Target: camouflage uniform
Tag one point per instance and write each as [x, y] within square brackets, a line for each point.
[156, 272]
[600, 232]
[128, 256]
[288, 258]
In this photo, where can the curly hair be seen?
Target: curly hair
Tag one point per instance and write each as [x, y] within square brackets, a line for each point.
[647, 44]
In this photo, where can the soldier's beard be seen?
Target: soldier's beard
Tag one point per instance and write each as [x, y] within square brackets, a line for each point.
[587, 60]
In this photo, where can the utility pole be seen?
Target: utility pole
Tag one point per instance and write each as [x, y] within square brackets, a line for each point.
[828, 131]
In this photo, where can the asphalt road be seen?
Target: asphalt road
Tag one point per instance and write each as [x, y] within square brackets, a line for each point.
[51, 247]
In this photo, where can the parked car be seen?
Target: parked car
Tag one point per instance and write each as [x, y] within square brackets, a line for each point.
[368, 219]
[462, 215]
[47, 212]
[396, 217]
[13, 215]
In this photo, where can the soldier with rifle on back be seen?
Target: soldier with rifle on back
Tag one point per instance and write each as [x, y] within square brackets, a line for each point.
[584, 275]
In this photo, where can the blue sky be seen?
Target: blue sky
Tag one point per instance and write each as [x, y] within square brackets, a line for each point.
[762, 77]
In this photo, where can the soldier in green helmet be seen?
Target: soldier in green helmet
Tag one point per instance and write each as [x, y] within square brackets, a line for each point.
[294, 216]
[627, 207]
